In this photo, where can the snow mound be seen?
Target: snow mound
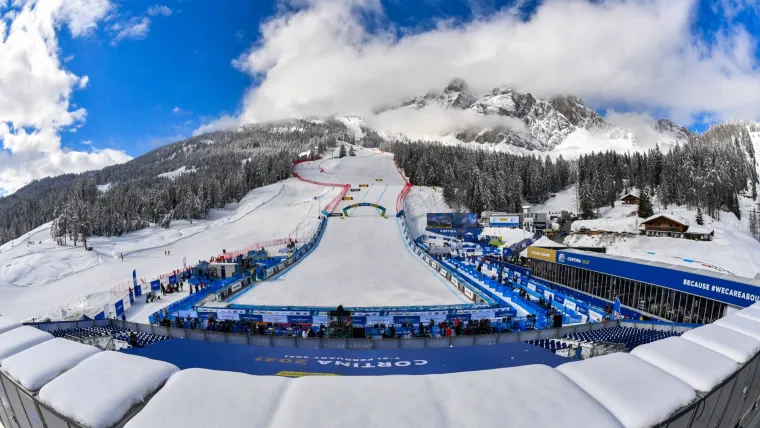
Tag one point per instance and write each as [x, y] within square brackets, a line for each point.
[101, 390]
[446, 400]
[247, 401]
[7, 324]
[14, 341]
[697, 366]
[732, 344]
[419, 202]
[740, 324]
[750, 313]
[34, 367]
[639, 396]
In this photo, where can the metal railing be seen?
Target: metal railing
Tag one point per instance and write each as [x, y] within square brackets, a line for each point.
[331, 343]
[733, 403]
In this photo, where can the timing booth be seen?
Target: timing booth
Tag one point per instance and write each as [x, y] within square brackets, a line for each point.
[223, 270]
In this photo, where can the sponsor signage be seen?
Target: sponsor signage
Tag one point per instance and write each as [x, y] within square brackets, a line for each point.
[378, 179]
[505, 221]
[339, 214]
[356, 190]
[469, 293]
[724, 289]
[155, 285]
[348, 198]
[364, 185]
[544, 254]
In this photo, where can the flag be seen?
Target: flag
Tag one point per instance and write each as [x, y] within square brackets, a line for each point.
[134, 277]
[616, 308]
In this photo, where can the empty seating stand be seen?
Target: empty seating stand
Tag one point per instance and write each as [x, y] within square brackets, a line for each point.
[629, 336]
[550, 344]
[118, 333]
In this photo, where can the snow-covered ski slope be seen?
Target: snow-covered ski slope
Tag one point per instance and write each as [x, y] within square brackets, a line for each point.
[361, 260]
[43, 279]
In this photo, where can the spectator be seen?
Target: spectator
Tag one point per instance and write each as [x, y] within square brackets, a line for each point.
[422, 329]
[123, 316]
[305, 334]
[393, 330]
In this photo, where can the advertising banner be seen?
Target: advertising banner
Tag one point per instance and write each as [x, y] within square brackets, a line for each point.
[364, 185]
[728, 289]
[505, 221]
[155, 285]
[544, 254]
[348, 198]
[440, 220]
[172, 279]
[138, 291]
[119, 306]
[464, 221]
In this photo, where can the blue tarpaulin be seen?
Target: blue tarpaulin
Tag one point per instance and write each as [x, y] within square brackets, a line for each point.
[257, 360]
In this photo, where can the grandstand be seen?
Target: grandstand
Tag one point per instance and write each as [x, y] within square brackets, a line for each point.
[629, 336]
[85, 334]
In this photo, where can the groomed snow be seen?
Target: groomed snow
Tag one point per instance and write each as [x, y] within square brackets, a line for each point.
[740, 324]
[361, 260]
[40, 364]
[697, 366]
[638, 394]
[227, 399]
[14, 341]
[419, 202]
[101, 390]
[66, 282]
[734, 345]
[8, 323]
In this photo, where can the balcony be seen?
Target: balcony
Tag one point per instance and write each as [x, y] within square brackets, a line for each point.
[663, 229]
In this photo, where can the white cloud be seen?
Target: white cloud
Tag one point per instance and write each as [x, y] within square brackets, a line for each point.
[87, 142]
[317, 58]
[176, 110]
[134, 28]
[159, 10]
[433, 121]
[222, 123]
[35, 91]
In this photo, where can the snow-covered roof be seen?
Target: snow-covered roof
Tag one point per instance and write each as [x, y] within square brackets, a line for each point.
[697, 366]
[667, 216]
[699, 229]
[14, 341]
[640, 395]
[634, 193]
[8, 323]
[740, 324]
[33, 368]
[118, 381]
[734, 345]
[247, 400]
[545, 242]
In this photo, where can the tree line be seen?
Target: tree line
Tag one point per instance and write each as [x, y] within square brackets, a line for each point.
[480, 180]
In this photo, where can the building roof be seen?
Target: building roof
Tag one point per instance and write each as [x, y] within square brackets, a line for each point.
[699, 229]
[667, 216]
[631, 195]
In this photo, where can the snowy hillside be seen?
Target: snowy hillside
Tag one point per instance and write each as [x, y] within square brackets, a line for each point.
[420, 201]
[732, 250]
[44, 280]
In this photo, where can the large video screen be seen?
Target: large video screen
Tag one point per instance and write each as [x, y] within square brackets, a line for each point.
[440, 220]
[465, 221]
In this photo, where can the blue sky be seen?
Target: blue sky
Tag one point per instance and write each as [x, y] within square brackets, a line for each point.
[114, 79]
[184, 61]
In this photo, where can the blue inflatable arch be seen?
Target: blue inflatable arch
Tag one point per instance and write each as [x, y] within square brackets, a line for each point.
[364, 204]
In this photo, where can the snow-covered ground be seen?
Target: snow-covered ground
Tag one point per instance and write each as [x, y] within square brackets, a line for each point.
[176, 173]
[362, 260]
[419, 202]
[732, 250]
[44, 280]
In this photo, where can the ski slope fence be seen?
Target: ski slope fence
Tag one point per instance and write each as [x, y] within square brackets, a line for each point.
[226, 287]
[730, 403]
[330, 207]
